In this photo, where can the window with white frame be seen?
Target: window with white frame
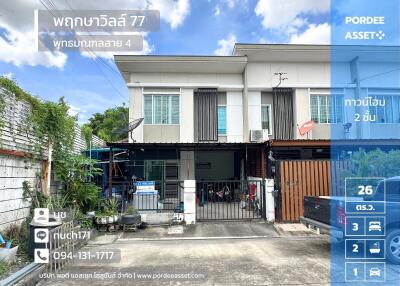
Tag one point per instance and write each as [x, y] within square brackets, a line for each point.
[266, 117]
[161, 109]
[390, 112]
[327, 108]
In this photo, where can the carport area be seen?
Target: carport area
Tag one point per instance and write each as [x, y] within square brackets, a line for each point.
[229, 176]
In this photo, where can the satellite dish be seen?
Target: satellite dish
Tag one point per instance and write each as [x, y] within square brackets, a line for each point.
[306, 127]
[133, 125]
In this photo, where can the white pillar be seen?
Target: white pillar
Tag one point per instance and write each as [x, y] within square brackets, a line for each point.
[270, 200]
[189, 189]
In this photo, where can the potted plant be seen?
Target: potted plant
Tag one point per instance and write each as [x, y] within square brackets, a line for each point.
[112, 208]
[131, 217]
[109, 212]
[101, 218]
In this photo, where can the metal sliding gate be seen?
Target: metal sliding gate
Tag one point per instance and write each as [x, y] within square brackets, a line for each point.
[230, 200]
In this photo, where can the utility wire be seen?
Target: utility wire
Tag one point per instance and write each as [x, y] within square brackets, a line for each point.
[104, 62]
[378, 74]
[50, 3]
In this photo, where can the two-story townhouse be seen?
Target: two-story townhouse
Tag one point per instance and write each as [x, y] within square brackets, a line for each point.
[200, 111]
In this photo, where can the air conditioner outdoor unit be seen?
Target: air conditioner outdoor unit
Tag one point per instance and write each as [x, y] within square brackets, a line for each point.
[259, 135]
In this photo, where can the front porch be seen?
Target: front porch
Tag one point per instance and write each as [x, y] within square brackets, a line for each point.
[229, 177]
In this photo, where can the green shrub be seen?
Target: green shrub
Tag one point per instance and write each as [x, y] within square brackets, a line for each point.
[4, 268]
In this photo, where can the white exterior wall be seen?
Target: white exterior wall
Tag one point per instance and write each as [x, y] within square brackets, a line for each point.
[136, 111]
[186, 118]
[13, 172]
[187, 80]
[254, 110]
[234, 116]
[300, 76]
[302, 113]
[261, 75]
[231, 83]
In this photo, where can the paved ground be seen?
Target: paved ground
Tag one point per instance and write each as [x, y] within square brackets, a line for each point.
[205, 230]
[268, 259]
[273, 261]
[212, 253]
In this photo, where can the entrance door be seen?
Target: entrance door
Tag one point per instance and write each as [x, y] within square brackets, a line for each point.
[165, 174]
[154, 170]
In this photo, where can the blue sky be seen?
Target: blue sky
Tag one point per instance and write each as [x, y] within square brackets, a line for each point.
[197, 27]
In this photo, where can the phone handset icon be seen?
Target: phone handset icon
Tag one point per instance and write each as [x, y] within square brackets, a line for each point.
[41, 255]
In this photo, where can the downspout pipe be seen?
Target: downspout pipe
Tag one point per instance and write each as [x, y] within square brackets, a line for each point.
[245, 104]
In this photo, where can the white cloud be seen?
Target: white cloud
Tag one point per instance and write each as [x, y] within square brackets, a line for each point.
[16, 18]
[75, 110]
[18, 48]
[233, 3]
[217, 11]
[173, 12]
[288, 14]
[262, 41]
[225, 46]
[82, 103]
[314, 35]
[230, 3]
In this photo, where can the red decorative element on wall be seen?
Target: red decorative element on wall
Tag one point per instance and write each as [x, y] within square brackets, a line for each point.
[306, 127]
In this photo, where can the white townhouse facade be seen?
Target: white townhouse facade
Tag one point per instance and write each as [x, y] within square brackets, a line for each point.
[191, 102]
[185, 99]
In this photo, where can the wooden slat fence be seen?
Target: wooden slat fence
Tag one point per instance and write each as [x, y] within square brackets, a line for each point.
[307, 178]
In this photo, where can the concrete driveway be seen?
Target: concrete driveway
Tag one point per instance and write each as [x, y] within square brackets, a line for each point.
[205, 230]
[264, 260]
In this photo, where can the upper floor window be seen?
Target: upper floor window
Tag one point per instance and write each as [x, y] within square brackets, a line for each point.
[266, 117]
[388, 111]
[221, 120]
[161, 109]
[327, 108]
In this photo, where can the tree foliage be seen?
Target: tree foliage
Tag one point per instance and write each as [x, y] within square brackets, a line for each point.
[370, 165]
[77, 173]
[87, 133]
[376, 163]
[112, 125]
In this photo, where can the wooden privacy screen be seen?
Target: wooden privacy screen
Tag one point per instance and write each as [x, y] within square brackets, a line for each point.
[307, 178]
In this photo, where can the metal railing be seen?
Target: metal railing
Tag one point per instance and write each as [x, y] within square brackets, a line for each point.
[230, 200]
[63, 244]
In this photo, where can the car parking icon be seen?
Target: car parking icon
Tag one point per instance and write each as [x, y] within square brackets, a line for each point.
[375, 271]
